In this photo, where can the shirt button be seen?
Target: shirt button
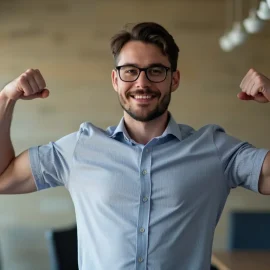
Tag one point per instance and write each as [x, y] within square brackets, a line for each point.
[142, 230]
[140, 259]
[146, 150]
[144, 172]
[145, 199]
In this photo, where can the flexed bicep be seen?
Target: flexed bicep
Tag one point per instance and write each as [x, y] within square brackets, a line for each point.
[18, 178]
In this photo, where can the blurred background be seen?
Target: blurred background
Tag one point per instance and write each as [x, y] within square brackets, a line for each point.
[69, 42]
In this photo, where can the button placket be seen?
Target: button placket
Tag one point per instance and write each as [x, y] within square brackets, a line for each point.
[144, 210]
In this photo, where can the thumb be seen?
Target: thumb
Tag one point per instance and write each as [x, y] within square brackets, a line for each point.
[244, 96]
[44, 93]
[259, 97]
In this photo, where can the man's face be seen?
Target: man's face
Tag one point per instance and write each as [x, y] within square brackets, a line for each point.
[142, 99]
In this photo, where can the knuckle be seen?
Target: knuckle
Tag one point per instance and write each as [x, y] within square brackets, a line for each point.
[23, 78]
[255, 76]
[30, 70]
[259, 79]
[41, 84]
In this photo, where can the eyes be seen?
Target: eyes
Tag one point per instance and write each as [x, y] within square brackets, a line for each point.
[131, 70]
[151, 71]
[155, 73]
[156, 70]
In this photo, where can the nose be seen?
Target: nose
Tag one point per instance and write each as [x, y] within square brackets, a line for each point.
[142, 81]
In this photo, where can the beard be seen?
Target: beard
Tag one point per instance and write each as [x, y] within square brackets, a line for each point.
[159, 110]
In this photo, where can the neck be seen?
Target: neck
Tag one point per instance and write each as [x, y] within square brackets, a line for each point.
[143, 132]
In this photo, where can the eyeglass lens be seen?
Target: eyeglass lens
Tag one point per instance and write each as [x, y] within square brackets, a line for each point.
[154, 74]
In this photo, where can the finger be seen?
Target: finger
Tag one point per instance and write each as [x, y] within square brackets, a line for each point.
[259, 97]
[256, 89]
[25, 86]
[250, 84]
[244, 96]
[43, 94]
[258, 86]
[252, 89]
[246, 78]
[33, 84]
[39, 79]
[31, 74]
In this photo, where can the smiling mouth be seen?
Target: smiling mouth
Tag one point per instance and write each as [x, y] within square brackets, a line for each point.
[143, 98]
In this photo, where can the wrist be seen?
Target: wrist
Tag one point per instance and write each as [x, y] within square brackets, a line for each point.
[5, 99]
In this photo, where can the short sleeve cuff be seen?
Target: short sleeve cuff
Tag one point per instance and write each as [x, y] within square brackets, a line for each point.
[36, 171]
[256, 171]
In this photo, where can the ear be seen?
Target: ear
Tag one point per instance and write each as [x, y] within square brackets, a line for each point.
[175, 80]
[114, 80]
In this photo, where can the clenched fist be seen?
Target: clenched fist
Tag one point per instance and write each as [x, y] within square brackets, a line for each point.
[255, 86]
[29, 85]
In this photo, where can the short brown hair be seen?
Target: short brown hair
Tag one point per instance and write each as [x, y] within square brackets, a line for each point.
[148, 32]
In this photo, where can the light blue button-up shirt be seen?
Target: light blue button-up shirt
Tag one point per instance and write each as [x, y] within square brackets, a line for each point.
[152, 206]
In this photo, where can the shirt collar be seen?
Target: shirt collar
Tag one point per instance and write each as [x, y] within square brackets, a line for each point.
[172, 129]
[120, 129]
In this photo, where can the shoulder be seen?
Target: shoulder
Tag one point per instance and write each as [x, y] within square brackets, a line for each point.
[89, 129]
[210, 129]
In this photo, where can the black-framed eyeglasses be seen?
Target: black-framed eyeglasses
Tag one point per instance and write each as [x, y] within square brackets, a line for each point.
[155, 73]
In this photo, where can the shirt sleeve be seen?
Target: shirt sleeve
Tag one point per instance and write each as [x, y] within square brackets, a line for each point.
[51, 163]
[241, 161]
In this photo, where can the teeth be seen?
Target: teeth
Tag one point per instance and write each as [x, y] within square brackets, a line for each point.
[142, 97]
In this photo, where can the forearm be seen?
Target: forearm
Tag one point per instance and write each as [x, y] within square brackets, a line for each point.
[7, 153]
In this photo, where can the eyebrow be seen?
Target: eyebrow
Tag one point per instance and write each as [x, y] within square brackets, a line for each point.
[151, 65]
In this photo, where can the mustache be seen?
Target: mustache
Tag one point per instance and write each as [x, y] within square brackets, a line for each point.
[143, 92]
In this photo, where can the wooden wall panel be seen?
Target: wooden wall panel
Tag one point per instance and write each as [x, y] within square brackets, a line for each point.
[69, 42]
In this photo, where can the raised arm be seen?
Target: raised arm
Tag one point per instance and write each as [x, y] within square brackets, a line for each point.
[15, 172]
[256, 86]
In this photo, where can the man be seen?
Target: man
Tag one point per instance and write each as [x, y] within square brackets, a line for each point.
[148, 193]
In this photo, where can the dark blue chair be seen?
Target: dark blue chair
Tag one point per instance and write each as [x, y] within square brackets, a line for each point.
[63, 251]
[249, 231]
